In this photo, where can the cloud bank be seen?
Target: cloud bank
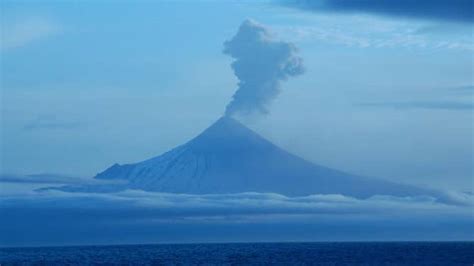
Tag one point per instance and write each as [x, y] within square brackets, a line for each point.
[445, 10]
[261, 64]
[53, 217]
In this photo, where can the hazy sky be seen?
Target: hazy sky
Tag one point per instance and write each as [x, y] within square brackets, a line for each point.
[86, 84]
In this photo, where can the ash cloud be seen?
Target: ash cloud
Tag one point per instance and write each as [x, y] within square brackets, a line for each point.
[261, 64]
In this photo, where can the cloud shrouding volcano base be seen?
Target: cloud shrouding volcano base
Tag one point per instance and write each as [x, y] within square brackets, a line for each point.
[52, 217]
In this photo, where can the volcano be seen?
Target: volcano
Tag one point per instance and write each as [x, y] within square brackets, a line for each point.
[228, 157]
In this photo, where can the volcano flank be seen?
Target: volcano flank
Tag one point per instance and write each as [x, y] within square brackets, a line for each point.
[228, 157]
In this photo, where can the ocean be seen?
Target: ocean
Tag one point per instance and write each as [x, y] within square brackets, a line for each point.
[321, 253]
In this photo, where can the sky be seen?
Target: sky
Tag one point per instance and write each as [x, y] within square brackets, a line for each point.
[85, 85]
[386, 91]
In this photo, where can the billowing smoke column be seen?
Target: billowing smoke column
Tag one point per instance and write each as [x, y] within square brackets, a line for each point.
[261, 63]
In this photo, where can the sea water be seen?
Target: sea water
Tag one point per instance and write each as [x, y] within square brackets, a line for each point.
[343, 253]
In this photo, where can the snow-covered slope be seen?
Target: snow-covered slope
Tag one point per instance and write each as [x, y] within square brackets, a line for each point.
[230, 158]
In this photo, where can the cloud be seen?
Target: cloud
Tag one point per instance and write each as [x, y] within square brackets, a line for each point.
[52, 217]
[19, 32]
[261, 63]
[50, 122]
[360, 32]
[52, 179]
[40, 179]
[442, 10]
[446, 105]
[452, 98]
[466, 88]
[247, 206]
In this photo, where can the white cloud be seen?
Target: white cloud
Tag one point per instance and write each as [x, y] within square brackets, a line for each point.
[22, 31]
[51, 216]
[244, 205]
[365, 31]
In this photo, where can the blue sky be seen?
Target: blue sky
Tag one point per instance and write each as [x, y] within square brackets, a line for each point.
[88, 84]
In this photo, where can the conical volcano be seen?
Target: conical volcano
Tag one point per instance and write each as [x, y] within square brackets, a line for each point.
[228, 157]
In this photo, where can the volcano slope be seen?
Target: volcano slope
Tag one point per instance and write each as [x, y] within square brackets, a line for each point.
[228, 157]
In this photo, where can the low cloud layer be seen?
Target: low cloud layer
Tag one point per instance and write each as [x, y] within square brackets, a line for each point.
[261, 64]
[41, 179]
[455, 10]
[172, 205]
[57, 217]
[446, 105]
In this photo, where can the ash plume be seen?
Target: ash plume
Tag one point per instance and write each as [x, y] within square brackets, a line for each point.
[261, 63]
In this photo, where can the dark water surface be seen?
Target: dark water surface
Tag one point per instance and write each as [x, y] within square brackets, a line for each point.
[344, 253]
